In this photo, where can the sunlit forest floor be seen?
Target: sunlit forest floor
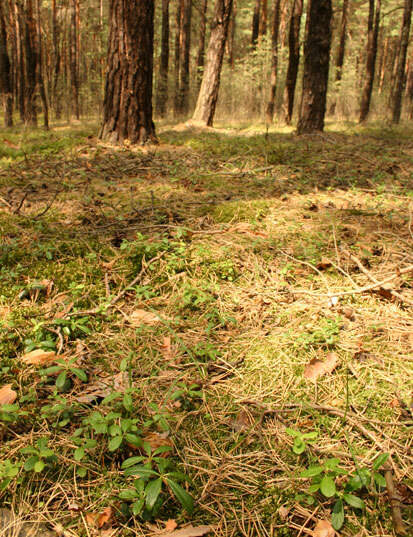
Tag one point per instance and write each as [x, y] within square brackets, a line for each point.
[217, 296]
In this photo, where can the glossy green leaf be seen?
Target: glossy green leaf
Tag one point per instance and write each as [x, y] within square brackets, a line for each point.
[354, 501]
[128, 494]
[328, 486]
[182, 496]
[140, 471]
[152, 491]
[379, 480]
[115, 443]
[337, 515]
[380, 460]
[61, 379]
[38, 467]
[79, 454]
[312, 471]
[132, 461]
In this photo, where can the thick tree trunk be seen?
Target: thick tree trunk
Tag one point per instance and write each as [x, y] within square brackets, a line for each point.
[231, 35]
[293, 59]
[316, 66]
[340, 53]
[128, 88]
[30, 116]
[255, 24]
[162, 94]
[208, 93]
[200, 57]
[400, 75]
[373, 32]
[5, 73]
[274, 62]
[186, 14]
[73, 60]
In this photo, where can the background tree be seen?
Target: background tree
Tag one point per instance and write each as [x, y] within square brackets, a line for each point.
[5, 73]
[293, 59]
[208, 93]
[162, 93]
[128, 88]
[274, 61]
[316, 67]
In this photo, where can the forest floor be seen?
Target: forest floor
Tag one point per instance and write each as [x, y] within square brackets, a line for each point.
[215, 316]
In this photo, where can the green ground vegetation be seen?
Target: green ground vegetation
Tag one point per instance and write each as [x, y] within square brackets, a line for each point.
[223, 323]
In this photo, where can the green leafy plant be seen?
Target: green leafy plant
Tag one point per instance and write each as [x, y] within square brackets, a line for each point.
[155, 480]
[41, 456]
[65, 370]
[117, 428]
[301, 439]
[8, 471]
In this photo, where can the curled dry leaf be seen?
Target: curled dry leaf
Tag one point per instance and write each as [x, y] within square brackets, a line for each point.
[317, 368]
[323, 528]
[7, 395]
[168, 350]
[283, 512]
[99, 520]
[104, 386]
[139, 317]
[243, 422]
[39, 357]
[157, 440]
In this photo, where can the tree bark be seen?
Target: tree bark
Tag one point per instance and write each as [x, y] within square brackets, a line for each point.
[293, 59]
[186, 14]
[178, 45]
[274, 62]
[383, 63]
[340, 52]
[73, 61]
[373, 32]
[20, 86]
[30, 116]
[409, 88]
[5, 73]
[200, 57]
[208, 93]
[56, 61]
[255, 24]
[400, 75]
[231, 35]
[263, 19]
[162, 94]
[316, 66]
[40, 80]
[128, 87]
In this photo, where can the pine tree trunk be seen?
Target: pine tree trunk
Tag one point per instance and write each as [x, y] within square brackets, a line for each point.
[263, 19]
[185, 56]
[128, 87]
[293, 59]
[208, 93]
[5, 73]
[73, 61]
[178, 46]
[20, 85]
[56, 61]
[409, 88]
[274, 62]
[40, 70]
[30, 116]
[200, 57]
[373, 32]
[383, 63]
[162, 94]
[316, 66]
[400, 75]
[340, 53]
[255, 24]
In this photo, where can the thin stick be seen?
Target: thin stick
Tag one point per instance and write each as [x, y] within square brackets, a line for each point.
[396, 513]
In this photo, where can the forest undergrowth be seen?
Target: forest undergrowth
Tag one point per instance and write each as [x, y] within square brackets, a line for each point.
[212, 335]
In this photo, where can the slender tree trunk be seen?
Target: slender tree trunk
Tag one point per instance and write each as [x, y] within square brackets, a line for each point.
[255, 24]
[56, 63]
[316, 66]
[208, 93]
[293, 59]
[231, 35]
[383, 63]
[274, 62]
[31, 65]
[178, 46]
[200, 57]
[186, 14]
[162, 94]
[128, 89]
[340, 53]
[73, 60]
[5, 73]
[409, 88]
[373, 32]
[400, 75]
[283, 23]
[263, 19]
[40, 80]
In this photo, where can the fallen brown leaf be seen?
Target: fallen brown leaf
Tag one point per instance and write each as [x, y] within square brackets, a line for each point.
[100, 519]
[242, 423]
[324, 264]
[105, 385]
[167, 349]
[139, 317]
[7, 395]
[317, 368]
[170, 524]
[157, 440]
[39, 357]
[323, 528]
[283, 512]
